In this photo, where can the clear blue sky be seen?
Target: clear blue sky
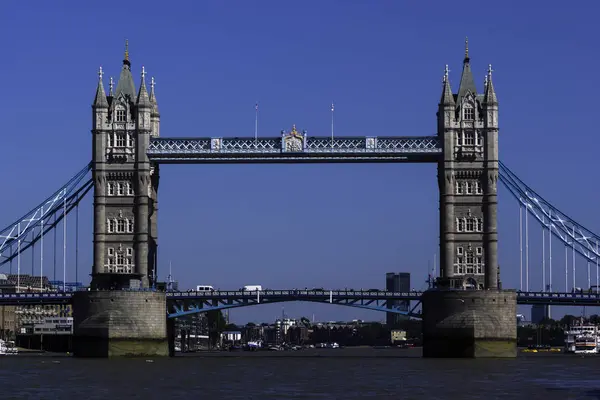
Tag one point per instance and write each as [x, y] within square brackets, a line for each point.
[380, 61]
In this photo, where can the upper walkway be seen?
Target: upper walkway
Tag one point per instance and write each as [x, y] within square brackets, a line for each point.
[295, 147]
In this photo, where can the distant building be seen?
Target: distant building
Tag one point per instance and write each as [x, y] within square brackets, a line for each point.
[397, 336]
[54, 326]
[397, 282]
[539, 312]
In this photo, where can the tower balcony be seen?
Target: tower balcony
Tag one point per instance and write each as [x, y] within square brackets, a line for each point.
[120, 153]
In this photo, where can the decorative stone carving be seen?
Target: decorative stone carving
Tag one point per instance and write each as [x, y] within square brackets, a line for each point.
[294, 141]
[371, 144]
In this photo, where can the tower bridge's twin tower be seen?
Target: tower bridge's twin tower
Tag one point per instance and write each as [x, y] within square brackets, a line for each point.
[465, 316]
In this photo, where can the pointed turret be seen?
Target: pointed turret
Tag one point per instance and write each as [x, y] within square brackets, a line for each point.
[143, 99]
[100, 100]
[447, 96]
[154, 115]
[110, 87]
[153, 96]
[489, 96]
[467, 83]
[126, 86]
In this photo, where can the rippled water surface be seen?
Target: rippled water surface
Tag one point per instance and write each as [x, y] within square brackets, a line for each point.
[323, 374]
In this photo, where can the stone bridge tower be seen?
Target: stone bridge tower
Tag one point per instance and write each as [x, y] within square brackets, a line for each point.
[467, 315]
[125, 183]
[468, 175]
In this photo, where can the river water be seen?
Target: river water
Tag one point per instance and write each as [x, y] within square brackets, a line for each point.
[312, 374]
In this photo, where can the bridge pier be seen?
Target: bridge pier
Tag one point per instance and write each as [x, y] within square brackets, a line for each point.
[469, 324]
[120, 323]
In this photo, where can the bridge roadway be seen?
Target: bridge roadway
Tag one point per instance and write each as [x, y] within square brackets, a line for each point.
[345, 297]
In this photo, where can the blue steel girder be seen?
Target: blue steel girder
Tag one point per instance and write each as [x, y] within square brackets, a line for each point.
[559, 299]
[193, 302]
[568, 231]
[187, 303]
[16, 233]
[295, 148]
[16, 299]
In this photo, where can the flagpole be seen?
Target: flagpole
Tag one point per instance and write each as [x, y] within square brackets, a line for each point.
[332, 108]
[256, 123]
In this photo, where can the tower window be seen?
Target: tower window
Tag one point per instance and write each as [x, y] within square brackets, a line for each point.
[111, 251]
[120, 189]
[478, 188]
[121, 115]
[479, 251]
[460, 251]
[459, 187]
[469, 224]
[129, 251]
[110, 188]
[129, 189]
[129, 140]
[469, 139]
[120, 140]
[109, 140]
[468, 113]
[469, 187]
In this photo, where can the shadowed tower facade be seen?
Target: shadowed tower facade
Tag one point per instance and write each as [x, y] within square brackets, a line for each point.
[125, 182]
[468, 176]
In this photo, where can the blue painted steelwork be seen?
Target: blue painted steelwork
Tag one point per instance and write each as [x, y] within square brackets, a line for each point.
[187, 303]
[195, 302]
[295, 147]
[571, 233]
[15, 299]
[28, 229]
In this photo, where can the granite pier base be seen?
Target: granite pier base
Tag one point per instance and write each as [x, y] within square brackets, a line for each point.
[120, 324]
[469, 324]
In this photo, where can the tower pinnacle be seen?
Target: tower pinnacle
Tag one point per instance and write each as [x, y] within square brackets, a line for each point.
[100, 99]
[143, 99]
[489, 96]
[447, 97]
[466, 49]
[126, 50]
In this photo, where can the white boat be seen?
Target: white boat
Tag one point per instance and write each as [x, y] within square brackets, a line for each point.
[582, 339]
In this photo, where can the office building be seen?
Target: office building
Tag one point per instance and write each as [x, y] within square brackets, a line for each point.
[397, 282]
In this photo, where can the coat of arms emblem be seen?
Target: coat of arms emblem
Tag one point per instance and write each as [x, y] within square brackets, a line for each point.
[293, 141]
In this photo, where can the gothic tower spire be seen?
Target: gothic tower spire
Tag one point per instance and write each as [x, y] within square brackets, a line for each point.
[467, 83]
[126, 87]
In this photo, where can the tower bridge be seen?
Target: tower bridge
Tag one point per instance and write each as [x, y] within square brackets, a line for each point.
[468, 312]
